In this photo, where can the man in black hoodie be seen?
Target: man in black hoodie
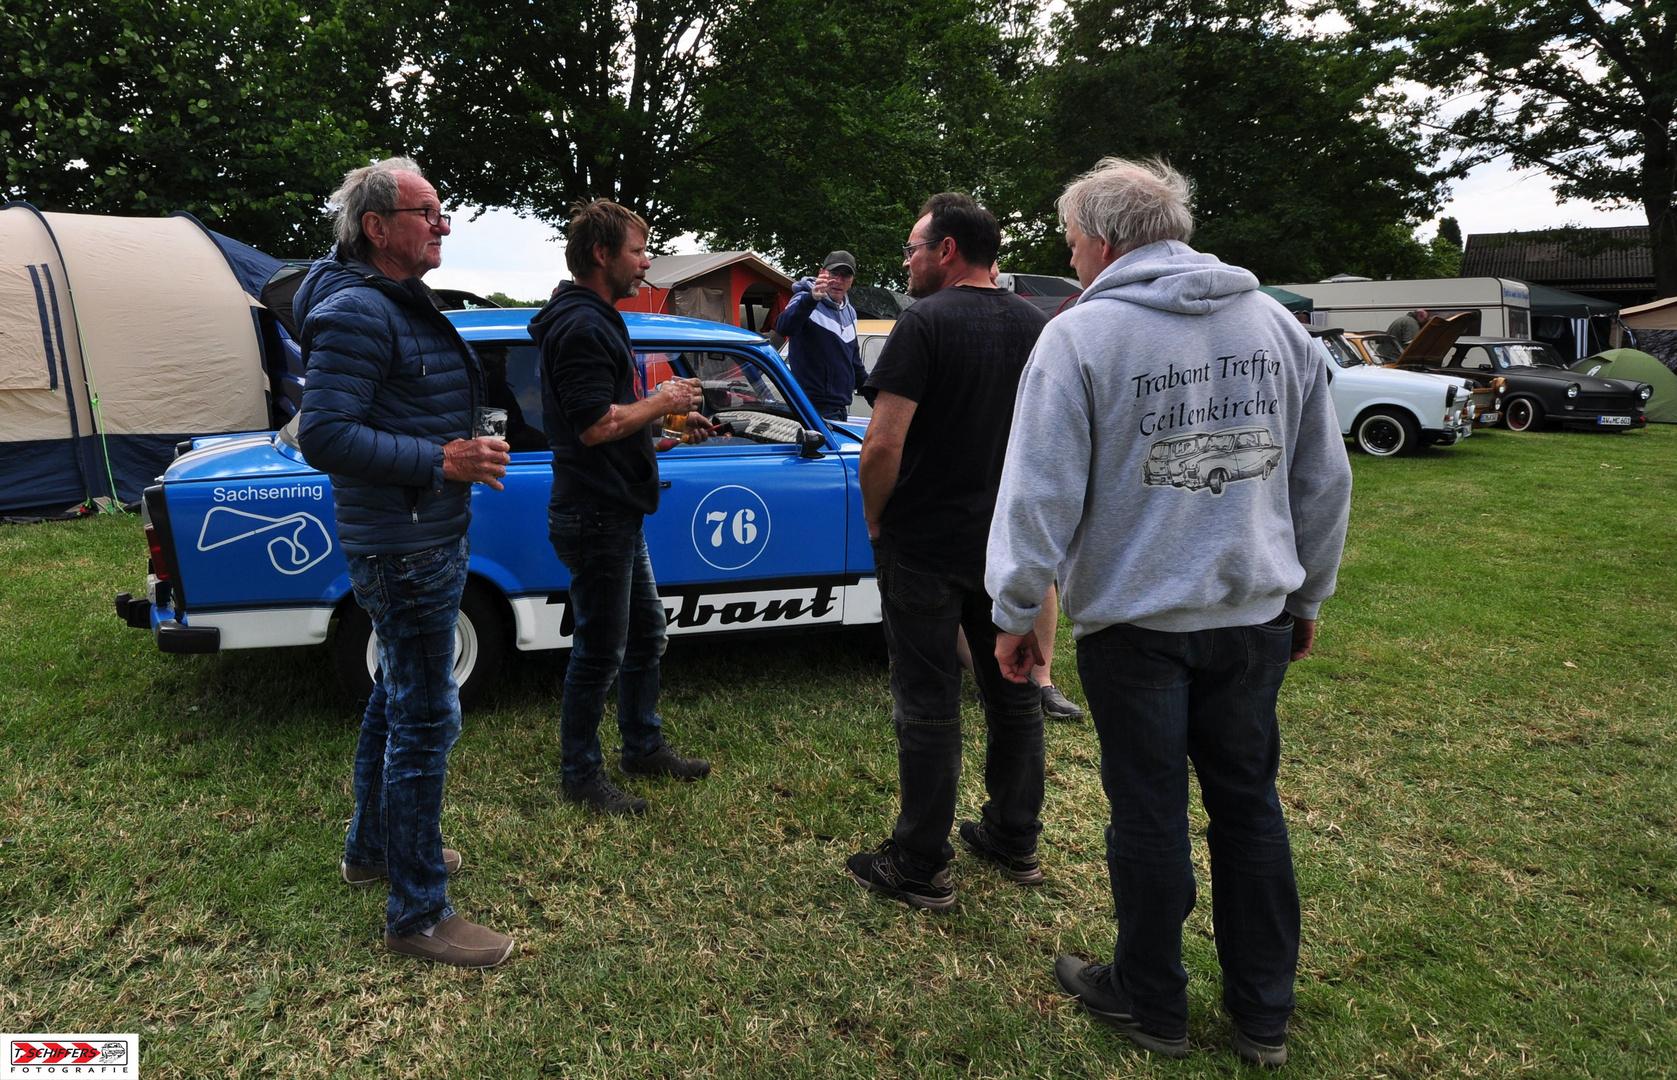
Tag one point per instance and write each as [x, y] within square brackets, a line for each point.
[605, 481]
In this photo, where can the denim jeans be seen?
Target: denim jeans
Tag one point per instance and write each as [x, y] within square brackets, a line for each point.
[923, 608]
[412, 720]
[1159, 701]
[620, 633]
[839, 414]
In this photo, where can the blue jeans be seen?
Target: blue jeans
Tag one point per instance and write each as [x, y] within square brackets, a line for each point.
[922, 611]
[620, 632]
[839, 414]
[412, 720]
[1159, 701]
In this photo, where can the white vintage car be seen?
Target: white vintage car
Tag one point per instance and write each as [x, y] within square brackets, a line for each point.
[1388, 412]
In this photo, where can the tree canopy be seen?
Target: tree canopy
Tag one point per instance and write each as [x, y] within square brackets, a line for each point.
[1585, 91]
[790, 126]
[242, 112]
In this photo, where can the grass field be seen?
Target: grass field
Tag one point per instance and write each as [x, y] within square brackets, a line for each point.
[1480, 769]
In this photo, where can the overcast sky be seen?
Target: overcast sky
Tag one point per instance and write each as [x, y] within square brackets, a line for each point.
[501, 252]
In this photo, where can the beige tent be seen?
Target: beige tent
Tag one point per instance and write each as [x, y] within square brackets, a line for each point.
[118, 338]
[1652, 328]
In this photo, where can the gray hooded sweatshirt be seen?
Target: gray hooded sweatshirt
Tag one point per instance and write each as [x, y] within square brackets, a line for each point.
[1174, 459]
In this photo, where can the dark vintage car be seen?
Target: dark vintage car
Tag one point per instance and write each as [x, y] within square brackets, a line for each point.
[1538, 390]
[1541, 391]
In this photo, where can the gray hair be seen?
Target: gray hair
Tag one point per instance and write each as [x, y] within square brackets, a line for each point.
[369, 188]
[1129, 204]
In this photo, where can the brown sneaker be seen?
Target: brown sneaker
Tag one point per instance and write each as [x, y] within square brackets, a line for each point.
[366, 875]
[455, 941]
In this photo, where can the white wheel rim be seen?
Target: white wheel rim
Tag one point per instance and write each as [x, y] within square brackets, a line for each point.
[465, 651]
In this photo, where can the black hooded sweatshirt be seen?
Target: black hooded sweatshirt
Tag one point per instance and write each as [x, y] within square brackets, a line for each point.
[588, 365]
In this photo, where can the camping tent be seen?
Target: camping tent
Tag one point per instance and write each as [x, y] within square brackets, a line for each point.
[735, 287]
[118, 338]
[1288, 299]
[1651, 328]
[1637, 367]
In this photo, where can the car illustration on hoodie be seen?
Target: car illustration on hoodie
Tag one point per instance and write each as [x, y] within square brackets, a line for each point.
[1212, 459]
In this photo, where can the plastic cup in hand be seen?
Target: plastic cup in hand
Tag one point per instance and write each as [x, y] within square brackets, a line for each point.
[491, 424]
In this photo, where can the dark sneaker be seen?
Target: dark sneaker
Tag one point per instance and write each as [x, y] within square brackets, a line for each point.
[366, 875]
[879, 871]
[456, 942]
[1088, 984]
[602, 796]
[1024, 869]
[666, 762]
[1269, 1052]
[1056, 706]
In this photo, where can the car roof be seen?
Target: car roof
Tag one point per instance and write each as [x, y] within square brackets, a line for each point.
[1498, 341]
[490, 324]
[1246, 429]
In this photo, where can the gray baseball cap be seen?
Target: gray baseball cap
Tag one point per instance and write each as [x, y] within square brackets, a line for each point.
[836, 259]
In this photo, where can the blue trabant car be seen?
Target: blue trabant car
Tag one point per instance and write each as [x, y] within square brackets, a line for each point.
[760, 529]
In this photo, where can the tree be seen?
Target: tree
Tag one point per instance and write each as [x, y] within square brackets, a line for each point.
[245, 113]
[540, 104]
[827, 124]
[1295, 176]
[1585, 91]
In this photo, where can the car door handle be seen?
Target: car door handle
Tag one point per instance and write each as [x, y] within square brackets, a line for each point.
[662, 484]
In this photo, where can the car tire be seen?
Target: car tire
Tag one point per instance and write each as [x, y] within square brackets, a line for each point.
[1216, 481]
[480, 642]
[1386, 433]
[1522, 414]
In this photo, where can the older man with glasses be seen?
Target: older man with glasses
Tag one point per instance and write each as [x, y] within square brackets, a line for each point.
[819, 324]
[388, 411]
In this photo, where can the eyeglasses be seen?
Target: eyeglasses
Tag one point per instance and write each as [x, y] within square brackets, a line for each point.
[433, 215]
[908, 249]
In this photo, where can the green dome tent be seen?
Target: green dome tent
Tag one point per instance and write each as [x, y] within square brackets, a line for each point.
[1637, 367]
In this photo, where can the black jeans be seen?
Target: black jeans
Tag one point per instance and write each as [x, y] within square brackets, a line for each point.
[619, 635]
[922, 610]
[1159, 701]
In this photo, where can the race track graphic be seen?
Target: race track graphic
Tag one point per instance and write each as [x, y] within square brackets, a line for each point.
[299, 540]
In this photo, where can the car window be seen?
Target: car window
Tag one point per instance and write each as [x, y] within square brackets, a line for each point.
[1247, 440]
[1530, 355]
[1385, 348]
[512, 381]
[1474, 356]
[1340, 350]
[738, 390]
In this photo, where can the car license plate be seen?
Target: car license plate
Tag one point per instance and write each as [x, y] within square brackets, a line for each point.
[1613, 421]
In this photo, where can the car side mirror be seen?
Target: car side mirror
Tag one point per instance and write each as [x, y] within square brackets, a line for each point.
[809, 442]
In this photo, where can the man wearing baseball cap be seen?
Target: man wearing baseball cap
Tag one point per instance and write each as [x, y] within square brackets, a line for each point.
[819, 325]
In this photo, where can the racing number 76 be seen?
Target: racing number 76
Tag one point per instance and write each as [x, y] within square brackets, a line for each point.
[744, 530]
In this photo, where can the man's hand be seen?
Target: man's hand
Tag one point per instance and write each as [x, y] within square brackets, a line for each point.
[680, 396]
[697, 429]
[820, 289]
[476, 461]
[1018, 655]
[1304, 637]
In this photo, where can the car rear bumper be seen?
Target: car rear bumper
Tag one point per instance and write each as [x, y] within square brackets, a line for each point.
[171, 635]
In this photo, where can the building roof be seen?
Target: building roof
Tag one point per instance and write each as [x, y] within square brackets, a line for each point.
[1579, 259]
[668, 271]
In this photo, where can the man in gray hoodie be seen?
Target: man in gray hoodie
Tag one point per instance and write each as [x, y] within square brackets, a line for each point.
[1194, 510]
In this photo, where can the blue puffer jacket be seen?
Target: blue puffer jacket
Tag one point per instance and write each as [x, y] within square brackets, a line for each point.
[389, 381]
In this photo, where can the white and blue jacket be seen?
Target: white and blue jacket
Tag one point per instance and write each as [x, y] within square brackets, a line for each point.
[822, 353]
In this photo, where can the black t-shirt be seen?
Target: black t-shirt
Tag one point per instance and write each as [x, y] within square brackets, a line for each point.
[958, 354]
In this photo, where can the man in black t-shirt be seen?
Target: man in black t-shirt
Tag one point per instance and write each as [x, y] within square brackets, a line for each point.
[931, 465]
[605, 481]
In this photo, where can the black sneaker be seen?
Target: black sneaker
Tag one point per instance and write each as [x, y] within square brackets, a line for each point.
[879, 871]
[666, 762]
[1269, 1052]
[1056, 706]
[602, 796]
[1023, 869]
[1088, 984]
